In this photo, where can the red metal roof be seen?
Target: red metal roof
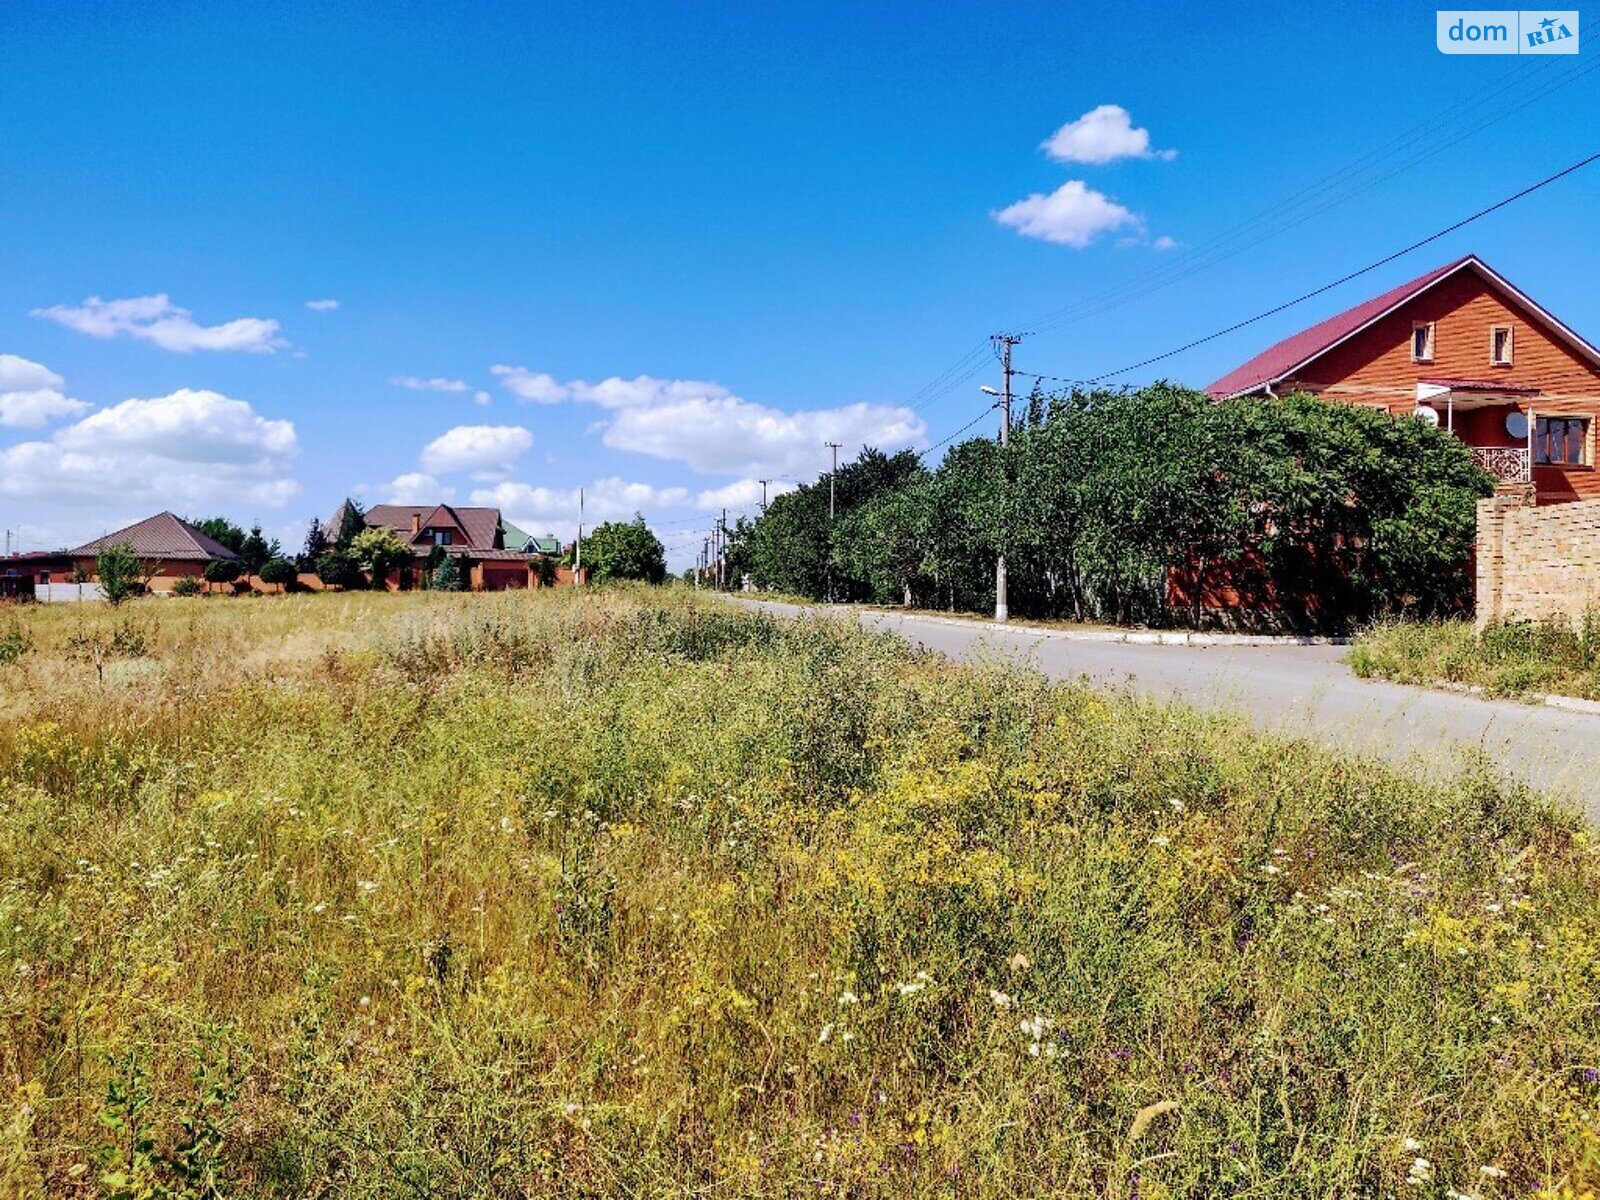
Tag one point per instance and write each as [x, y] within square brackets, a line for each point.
[477, 524]
[1276, 362]
[160, 536]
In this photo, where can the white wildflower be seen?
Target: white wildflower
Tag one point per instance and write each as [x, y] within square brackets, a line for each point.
[1491, 1171]
[999, 998]
[827, 1032]
[848, 997]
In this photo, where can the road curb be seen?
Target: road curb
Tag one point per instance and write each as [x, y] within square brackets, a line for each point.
[1134, 637]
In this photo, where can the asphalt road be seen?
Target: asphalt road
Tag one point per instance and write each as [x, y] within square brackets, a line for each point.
[1300, 690]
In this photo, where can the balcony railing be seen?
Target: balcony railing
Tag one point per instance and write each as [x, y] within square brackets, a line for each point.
[1508, 464]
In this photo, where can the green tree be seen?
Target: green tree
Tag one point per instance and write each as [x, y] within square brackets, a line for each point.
[316, 545]
[223, 570]
[279, 571]
[338, 569]
[120, 571]
[447, 575]
[220, 529]
[625, 550]
[350, 522]
[256, 550]
[379, 550]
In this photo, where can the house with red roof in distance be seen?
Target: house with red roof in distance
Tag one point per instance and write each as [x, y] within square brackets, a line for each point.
[1464, 348]
[477, 538]
[168, 549]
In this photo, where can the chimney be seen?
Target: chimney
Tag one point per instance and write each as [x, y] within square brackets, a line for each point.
[416, 523]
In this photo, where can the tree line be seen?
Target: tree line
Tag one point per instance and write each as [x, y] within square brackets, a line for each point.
[1155, 505]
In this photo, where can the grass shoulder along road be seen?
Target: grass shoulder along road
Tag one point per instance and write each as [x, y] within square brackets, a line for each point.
[1512, 658]
[624, 893]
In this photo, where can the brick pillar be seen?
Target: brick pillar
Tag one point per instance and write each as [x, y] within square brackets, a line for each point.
[1489, 550]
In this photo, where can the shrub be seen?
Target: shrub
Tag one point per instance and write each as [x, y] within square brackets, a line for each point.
[278, 571]
[223, 570]
[121, 574]
[379, 550]
[544, 570]
[448, 576]
[338, 569]
[14, 642]
[186, 585]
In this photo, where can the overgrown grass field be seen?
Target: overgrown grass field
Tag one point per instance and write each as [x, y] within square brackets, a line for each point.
[625, 894]
[1512, 658]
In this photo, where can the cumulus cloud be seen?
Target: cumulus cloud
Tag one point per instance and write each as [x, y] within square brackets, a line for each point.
[436, 384]
[714, 431]
[157, 320]
[31, 396]
[1165, 243]
[323, 305]
[1072, 215]
[488, 452]
[480, 398]
[555, 510]
[742, 495]
[1102, 135]
[190, 449]
[415, 487]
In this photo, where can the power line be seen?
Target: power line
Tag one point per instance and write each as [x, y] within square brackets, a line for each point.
[947, 440]
[1343, 279]
[1218, 249]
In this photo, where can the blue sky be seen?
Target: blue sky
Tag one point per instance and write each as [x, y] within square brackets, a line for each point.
[766, 226]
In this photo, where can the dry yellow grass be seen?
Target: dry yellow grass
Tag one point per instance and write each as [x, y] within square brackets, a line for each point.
[621, 894]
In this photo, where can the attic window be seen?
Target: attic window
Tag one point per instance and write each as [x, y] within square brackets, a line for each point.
[1422, 342]
[441, 537]
[1500, 346]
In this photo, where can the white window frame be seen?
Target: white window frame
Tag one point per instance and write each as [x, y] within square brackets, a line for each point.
[1430, 348]
[1510, 350]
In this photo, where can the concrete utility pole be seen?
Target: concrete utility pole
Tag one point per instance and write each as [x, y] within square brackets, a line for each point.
[764, 483]
[723, 526]
[577, 554]
[832, 472]
[1004, 342]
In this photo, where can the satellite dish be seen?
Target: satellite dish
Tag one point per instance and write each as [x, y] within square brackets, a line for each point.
[1427, 415]
[1517, 425]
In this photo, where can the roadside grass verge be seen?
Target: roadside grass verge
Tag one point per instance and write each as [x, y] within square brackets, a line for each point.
[1512, 658]
[628, 894]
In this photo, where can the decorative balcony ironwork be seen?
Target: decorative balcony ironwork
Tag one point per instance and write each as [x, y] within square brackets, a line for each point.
[1508, 464]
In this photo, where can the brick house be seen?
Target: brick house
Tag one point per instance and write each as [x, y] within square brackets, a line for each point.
[494, 555]
[1462, 347]
[167, 547]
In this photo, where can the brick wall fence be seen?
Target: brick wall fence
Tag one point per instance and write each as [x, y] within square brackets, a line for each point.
[1535, 563]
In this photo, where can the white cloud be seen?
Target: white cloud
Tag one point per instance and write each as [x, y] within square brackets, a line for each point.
[1072, 215]
[542, 510]
[531, 386]
[480, 398]
[187, 450]
[436, 384]
[714, 431]
[487, 451]
[1102, 135]
[416, 487]
[1165, 243]
[157, 320]
[31, 396]
[323, 305]
[743, 495]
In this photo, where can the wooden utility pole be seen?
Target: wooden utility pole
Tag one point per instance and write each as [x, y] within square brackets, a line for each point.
[764, 483]
[1003, 342]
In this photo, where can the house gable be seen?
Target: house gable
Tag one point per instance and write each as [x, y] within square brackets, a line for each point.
[1366, 350]
[1376, 365]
